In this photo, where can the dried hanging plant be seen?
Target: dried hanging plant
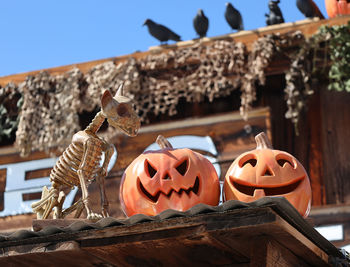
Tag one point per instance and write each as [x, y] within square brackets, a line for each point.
[47, 115]
[264, 49]
[193, 73]
[298, 87]
[311, 58]
[10, 103]
[156, 83]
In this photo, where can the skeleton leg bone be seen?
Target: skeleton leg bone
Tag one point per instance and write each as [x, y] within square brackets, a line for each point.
[58, 208]
[85, 195]
[101, 179]
[83, 172]
[77, 206]
[44, 206]
[104, 201]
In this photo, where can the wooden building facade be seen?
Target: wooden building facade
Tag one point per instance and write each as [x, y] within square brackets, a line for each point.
[179, 95]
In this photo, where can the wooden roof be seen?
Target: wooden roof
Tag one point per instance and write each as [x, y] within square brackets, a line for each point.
[233, 233]
[308, 27]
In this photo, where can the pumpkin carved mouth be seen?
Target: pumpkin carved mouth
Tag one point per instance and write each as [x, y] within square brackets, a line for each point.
[194, 189]
[269, 190]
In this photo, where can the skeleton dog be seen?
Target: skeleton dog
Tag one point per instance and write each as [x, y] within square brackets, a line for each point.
[80, 162]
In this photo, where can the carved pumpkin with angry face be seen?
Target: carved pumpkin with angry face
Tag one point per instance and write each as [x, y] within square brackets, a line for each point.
[168, 179]
[268, 172]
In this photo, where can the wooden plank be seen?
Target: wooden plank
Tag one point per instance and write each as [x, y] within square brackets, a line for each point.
[336, 144]
[183, 250]
[37, 173]
[267, 252]
[307, 27]
[304, 248]
[332, 211]
[301, 247]
[73, 257]
[11, 224]
[31, 196]
[11, 155]
[315, 153]
[2, 187]
[44, 247]
[333, 215]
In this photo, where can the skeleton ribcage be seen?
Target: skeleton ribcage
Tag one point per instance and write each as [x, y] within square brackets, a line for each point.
[65, 170]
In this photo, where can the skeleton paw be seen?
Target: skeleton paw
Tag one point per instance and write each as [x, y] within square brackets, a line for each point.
[105, 214]
[94, 216]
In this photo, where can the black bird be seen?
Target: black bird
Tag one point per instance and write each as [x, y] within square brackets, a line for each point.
[160, 32]
[233, 17]
[309, 9]
[201, 23]
[275, 16]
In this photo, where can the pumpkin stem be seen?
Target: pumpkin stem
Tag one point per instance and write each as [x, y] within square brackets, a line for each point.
[262, 141]
[163, 142]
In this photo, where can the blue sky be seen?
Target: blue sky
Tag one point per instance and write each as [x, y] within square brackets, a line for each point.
[43, 34]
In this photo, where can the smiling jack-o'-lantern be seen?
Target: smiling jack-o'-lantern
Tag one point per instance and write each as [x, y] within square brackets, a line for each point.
[268, 172]
[337, 7]
[168, 179]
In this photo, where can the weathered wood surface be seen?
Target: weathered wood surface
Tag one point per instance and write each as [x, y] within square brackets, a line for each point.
[269, 253]
[307, 27]
[10, 224]
[333, 215]
[335, 134]
[314, 154]
[2, 187]
[203, 240]
[39, 225]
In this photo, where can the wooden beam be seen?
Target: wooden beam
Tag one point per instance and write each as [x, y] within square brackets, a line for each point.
[268, 252]
[10, 224]
[308, 27]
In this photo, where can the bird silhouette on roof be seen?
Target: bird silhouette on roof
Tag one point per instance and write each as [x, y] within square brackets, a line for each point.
[309, 9]
[233, 17]
[275, 16]
[160, 32]
[201, 23]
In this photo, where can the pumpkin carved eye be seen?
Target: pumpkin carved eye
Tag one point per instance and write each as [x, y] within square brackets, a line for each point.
[249, 159]
[182, 167]
[282, 162]
[150, 170]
